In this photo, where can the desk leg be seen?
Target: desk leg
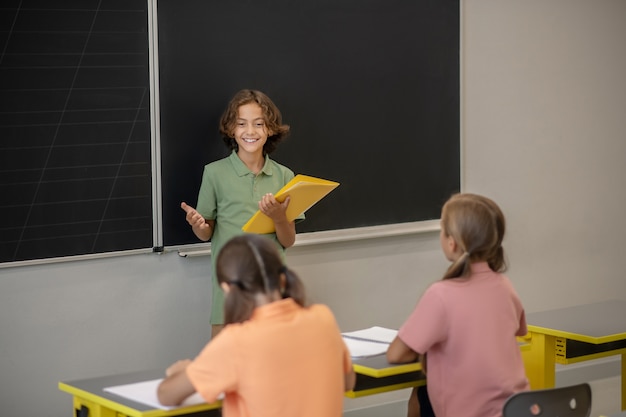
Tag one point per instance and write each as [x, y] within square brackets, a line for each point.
[623, 381]
[91, 409]
[539, 360]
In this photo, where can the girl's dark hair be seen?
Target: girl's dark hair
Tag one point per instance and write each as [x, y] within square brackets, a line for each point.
[251, 265]
[271, 115]
[477, 225]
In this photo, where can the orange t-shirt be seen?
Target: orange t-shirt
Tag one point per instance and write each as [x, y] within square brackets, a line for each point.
[285, 361]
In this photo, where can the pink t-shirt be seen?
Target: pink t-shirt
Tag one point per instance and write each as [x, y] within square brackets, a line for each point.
[285, 361]
[468, 328]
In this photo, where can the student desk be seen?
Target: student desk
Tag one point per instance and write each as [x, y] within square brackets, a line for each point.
[375, 375]
[90, 399]
[574, 334]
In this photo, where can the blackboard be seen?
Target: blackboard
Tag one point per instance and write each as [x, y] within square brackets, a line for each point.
[75, 142]
[370, 89]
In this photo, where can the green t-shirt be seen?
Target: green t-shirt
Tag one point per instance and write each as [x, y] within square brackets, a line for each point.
[230, 194]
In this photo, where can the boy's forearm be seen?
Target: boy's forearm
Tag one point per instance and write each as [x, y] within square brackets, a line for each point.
[286, 233]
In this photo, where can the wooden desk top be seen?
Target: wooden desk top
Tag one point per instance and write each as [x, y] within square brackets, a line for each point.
[599, 322]
[92, 389]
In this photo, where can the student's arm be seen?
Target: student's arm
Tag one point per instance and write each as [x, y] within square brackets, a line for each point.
[176, 386]
[350, 380]
[285, 230]
[399, 352]
[286, 233]
[201, 227]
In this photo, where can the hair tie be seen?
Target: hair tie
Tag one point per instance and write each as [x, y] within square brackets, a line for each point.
[237, 283]
[283, 286]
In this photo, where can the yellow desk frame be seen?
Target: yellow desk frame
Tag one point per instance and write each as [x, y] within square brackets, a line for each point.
[572, 335]
[90, 399]
[375, 375]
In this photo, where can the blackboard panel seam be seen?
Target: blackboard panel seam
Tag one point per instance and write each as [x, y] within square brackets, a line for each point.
[155, 123]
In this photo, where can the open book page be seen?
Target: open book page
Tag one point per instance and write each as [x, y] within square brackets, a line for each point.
[304, 191]
[146, 393]
[368, 342]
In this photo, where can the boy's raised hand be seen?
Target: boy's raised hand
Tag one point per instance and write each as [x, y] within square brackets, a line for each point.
[194, 218]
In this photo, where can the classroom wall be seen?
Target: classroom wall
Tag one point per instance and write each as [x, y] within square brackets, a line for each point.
[543, 104]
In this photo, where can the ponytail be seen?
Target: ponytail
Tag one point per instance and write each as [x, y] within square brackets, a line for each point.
[294, 288]
[459, 268]
[238, 304]
[497, 261]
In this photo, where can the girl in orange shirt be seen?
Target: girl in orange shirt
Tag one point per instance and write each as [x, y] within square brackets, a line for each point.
[275, 356]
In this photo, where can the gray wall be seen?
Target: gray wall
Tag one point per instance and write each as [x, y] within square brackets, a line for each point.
[543, 108]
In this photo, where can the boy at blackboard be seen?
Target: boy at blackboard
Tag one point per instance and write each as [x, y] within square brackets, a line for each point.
[235, 187]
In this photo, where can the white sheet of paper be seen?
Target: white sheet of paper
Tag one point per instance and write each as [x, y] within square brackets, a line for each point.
[146, 393]
[374, 333]
[363, 349]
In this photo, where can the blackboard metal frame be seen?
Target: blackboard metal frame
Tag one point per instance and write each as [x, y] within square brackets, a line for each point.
[338, 236]
[157, 205]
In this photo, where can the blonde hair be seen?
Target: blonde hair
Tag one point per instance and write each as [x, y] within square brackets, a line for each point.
[477, 225]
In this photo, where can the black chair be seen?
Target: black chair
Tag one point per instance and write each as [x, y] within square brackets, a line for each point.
[572, 401]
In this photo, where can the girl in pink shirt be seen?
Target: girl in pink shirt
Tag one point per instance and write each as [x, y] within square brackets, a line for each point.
[275, 357]
[467, 323]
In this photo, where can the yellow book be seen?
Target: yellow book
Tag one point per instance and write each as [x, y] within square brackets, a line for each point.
[304, 191]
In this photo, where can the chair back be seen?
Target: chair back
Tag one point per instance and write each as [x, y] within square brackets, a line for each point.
[571, 401]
